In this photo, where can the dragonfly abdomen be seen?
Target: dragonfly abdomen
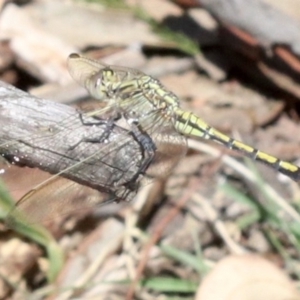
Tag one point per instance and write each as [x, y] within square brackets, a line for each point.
[160, 95]
[282, 166]
[189, 124]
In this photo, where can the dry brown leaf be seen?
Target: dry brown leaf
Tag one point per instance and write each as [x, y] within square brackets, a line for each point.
[228, 106]
[40, 53]
[246, 277]
[16, 258]
[86, 264]
[95, 25]
[166, 8]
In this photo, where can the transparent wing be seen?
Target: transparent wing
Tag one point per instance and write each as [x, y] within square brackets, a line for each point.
[115, 167]
[88, 72]
[170, 146]
[57, 198]
[108, 170]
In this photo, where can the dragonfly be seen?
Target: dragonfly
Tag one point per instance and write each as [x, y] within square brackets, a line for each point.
[157, 110]
[151, 115]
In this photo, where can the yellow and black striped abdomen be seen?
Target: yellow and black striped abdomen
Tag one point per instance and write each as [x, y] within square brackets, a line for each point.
[189, 124]
[283, 167]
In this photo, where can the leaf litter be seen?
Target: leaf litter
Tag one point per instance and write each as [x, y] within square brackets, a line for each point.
[204, 216]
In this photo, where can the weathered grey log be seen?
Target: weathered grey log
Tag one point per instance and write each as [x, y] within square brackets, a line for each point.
[50, 136]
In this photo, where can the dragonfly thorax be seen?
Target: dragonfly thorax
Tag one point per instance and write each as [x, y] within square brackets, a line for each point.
[162, 96]
[104, 87]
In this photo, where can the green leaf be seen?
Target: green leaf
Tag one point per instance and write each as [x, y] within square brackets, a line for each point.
[185, 258]
[170, 285]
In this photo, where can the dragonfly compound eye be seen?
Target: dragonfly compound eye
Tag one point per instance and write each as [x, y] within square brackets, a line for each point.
[96, 88]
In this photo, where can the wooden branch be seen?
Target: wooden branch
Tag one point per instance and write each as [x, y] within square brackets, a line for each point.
[50, 136]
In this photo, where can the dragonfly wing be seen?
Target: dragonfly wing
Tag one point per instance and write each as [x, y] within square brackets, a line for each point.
[113, 169]
[77, 63]
[171, 146]
[58, 197]
[98, 77]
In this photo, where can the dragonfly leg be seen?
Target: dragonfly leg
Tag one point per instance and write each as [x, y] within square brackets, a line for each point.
[109, 125]
[117, 116]
[148, 149]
